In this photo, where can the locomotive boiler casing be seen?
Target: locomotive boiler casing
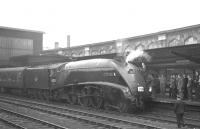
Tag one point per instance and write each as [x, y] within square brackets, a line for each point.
[111, 75]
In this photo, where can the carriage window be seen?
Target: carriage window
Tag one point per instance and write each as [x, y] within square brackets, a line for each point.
[13, 76]
[19, 76]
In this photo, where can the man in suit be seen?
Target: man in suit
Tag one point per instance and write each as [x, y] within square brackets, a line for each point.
[179, 109]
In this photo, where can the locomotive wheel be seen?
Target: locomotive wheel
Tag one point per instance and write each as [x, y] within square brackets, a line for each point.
[84, 99]
[72, 99]
[34, 94]
[140, 103]
[46, 95]
[30, 94]
[40, 95]
[106, 105]
[2, 89]
[97, 99]
[55, 95]
[122, 106]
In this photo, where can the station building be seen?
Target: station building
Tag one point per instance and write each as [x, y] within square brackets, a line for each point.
[17, 42]
[173, 51]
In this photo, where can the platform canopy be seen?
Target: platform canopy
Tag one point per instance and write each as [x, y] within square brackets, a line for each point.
[179, 56]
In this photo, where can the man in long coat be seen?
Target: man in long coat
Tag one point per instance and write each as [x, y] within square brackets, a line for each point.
[179, 109]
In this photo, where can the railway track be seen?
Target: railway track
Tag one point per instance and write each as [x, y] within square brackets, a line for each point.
[159, 116]
[6, 124]
[21, 121]
[191, 117]
[92, 117]
[169, 106]
[163, 115]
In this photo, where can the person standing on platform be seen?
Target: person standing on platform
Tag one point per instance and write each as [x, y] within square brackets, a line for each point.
[174, 87]
[198, 89]
[179, 109]
[153, 85]
[162, 85]
[157, 84]
[196, 85]
[180, 84]
[176, 82]
[189, 87]
[184, 88]
[170, 85]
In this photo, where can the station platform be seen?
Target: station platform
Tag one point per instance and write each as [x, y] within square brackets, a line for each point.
[171, 101]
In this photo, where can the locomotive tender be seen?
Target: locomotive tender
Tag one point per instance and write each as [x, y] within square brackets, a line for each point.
[98, 83]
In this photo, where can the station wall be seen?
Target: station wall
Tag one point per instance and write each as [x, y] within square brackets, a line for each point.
[170, 38]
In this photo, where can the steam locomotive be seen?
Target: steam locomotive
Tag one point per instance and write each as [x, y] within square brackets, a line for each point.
[97, 83]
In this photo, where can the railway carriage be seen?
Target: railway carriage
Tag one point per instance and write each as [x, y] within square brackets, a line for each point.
[12, 80]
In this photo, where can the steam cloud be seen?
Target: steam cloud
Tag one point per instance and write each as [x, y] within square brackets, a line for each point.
[138, 56]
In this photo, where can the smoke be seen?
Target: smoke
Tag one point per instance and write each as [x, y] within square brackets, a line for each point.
[138, 56]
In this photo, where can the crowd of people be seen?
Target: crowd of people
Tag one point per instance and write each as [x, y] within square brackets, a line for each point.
[177, 86]
[187, 86]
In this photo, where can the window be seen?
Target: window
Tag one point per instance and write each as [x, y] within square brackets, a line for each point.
[81, 53]
[139, 47]
[87, 51]
[102, 51]
[191, 40]
[94, 52]
[173, 42]
[162, 37]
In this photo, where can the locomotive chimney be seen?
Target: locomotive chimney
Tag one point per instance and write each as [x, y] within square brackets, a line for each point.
[68, 41]
[56, 45]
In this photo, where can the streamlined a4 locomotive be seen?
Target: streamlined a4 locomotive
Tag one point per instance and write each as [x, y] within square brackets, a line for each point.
[97, 83]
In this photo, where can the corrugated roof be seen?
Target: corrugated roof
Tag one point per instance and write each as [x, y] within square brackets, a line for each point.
[18, 29]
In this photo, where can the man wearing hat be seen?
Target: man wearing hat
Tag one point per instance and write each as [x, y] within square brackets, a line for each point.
[179, 109]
